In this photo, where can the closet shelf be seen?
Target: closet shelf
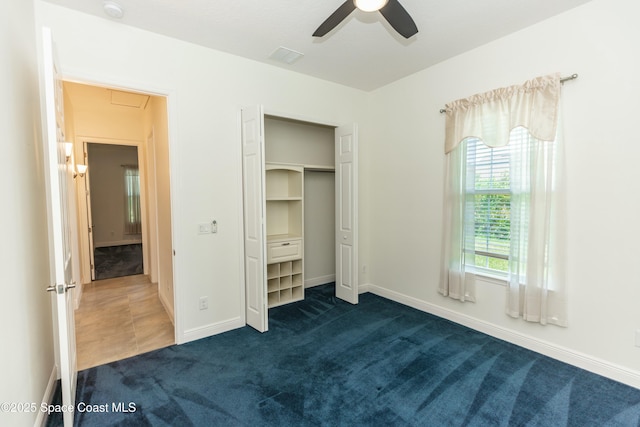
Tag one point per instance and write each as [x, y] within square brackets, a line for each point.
[273, 238]
[282, 199]
[285, 218]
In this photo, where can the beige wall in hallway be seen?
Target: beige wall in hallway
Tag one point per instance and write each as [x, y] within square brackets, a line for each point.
[158, 161]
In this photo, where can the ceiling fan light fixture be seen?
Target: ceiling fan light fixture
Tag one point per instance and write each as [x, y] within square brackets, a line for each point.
[370, 5]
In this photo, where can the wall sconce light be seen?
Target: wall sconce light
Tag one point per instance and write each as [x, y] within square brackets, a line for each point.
[68, 150]
[77, 169]
[80, 170]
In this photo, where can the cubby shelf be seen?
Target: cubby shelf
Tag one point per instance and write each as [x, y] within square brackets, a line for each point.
[284, 204]
[284, 282]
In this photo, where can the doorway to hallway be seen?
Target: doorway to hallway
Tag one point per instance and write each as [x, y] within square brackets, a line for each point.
[114, 214]
[124, 222]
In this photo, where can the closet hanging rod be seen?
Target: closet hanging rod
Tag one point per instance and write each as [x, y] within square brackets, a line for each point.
[562, 80]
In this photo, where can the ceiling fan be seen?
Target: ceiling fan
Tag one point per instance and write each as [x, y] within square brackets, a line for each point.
[392, 11]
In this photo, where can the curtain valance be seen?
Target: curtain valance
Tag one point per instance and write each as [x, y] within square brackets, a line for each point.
[491, 116]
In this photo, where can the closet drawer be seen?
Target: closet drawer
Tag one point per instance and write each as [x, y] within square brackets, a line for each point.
[284, 251]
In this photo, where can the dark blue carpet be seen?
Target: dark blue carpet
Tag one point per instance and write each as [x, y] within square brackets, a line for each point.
[326, 362]
[118, 261]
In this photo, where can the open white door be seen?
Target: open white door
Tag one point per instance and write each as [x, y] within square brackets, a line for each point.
[347, 213]
[253, 191]
[58, 173]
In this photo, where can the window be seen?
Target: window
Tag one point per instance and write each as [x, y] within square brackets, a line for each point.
[491, 193]
[132, 219]
[502, 205]
[492, 203]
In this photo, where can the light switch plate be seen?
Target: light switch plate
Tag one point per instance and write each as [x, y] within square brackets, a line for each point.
[204, 228]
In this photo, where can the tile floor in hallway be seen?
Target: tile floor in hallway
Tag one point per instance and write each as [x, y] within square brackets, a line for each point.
[119, 318]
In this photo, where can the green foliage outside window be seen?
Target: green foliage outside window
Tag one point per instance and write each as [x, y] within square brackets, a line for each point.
[492, 215]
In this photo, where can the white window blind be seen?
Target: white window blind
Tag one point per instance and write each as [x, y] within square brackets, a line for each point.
[492, 199]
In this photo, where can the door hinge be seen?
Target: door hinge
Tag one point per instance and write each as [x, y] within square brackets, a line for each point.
[90, 229]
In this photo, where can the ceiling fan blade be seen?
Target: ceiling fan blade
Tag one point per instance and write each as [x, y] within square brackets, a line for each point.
[399, 19]
[336, 18]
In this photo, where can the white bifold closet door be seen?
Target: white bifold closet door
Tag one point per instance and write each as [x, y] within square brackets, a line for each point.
[347, 213]
[253, 195]
[253, 183]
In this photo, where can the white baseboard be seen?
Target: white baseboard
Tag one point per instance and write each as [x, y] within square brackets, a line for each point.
[47, 397]
[168, 307]
[212, 329]
[366, 287]
[317, 281]
[581, 360]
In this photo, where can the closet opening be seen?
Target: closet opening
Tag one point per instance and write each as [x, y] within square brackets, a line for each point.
[300, 210]
[309, 146]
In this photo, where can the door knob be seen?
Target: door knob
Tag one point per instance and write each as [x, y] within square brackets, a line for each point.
[60, 289]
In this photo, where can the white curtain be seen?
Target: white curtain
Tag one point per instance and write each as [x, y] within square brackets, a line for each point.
[491, 116]
[456, 280]
[526, 118]
[132, 214]
[536, 290]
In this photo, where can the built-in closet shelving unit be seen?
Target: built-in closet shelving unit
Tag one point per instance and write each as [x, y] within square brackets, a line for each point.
[309, 147]
[285, 229]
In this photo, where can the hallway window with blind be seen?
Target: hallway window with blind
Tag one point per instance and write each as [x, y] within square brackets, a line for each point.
[132, 220]
[491, 203]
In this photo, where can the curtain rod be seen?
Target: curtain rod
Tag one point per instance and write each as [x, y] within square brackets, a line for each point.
[562, 80]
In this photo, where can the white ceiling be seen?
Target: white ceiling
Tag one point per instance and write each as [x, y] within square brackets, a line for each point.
[363, 52]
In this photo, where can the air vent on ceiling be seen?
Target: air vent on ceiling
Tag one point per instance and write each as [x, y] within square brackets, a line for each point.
[286, 55]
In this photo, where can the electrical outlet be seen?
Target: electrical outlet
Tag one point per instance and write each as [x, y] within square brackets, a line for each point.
[204, 303]
[637, 337]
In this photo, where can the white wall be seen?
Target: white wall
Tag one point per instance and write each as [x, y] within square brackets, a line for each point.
[289, 141]
[319, 227]
[25, 309]
[205, 90]
[599, 41]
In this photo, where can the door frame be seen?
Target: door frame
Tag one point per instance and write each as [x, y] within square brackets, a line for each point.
[101, 80]
[84, 210]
